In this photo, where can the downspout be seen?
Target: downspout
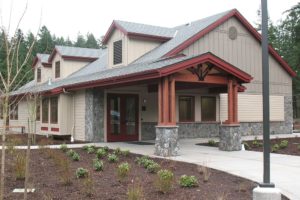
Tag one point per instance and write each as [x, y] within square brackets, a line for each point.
[73, 126]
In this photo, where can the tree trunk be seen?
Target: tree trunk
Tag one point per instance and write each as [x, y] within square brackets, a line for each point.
[27, 159]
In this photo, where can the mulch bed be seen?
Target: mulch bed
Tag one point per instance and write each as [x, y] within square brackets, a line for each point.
[291, 149]
[45, 178]
[21, 139]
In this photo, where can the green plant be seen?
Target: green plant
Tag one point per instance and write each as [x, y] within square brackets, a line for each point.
[141, 160]
[90, 150]
[188, 181]
[211, 143]
[106, 148]
[63, 147]
[283, 144]
[135, 191]
[70, 153]
[20, 165]
[100, 153]
[82, 173]
[85, 147]
[256, 143]
[112, 158]
[123, 170]
[97, 165]
[125, 153]
[75, 156]
[247, 146]
[118, 151]
[275, 148]
[164, 181]
[153, 167]
[64, 166]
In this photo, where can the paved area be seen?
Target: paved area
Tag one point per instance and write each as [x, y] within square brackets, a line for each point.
[285, 169]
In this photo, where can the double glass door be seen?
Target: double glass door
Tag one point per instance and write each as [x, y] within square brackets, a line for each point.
[122, 117]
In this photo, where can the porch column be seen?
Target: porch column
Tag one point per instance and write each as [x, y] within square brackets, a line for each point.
[166, 142]
[230, 135]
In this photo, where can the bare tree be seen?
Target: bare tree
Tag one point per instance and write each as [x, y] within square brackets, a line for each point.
[11, 80]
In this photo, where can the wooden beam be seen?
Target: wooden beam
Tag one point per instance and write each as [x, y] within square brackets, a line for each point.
[209, 79]
[159, 101]
[165, 95]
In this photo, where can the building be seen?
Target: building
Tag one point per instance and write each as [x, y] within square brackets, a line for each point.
[200, 79]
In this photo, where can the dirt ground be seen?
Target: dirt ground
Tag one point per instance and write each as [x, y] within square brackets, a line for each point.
[45, 178]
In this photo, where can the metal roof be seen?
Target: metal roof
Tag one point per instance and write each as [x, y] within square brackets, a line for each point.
[78, 51]
[43, 57]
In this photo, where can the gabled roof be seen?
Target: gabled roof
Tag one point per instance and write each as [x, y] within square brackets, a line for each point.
[43, 58]
[140, 30]
[75, 53]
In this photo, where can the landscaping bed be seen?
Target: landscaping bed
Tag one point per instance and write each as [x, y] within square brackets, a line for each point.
[21, 139]
[289, 146]
[53, 176]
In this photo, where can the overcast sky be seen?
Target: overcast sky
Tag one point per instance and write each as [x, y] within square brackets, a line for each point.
[70, 17]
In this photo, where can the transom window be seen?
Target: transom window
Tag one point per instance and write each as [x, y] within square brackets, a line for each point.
[39, 74]
[186, 108]
[117, 52]
[208, 108]
[57, 69]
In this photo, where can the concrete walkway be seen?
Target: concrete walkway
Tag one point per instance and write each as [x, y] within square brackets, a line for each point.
[285, 169]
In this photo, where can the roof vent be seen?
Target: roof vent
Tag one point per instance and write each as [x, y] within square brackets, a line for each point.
[49, 81]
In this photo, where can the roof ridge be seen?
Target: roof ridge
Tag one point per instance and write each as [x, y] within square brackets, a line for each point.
[143, 24]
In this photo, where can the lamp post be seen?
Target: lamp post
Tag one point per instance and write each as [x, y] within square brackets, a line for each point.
[266, 95]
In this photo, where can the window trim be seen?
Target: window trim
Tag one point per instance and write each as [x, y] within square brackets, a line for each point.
[214, 97]
[51, 113]
[193, 108]
[121, 52]
[43, 121]
[57, 69]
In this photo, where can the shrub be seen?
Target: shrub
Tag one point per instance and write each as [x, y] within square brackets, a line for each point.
[123, 170]
[275, 148]
[85, 147]
[118, 151]
[75, 156]
[141, 160]
[106, 148]
[20, 166]
[283, 144]
[153, 167]
[82, 173]
[112, 158]
[70, 153]
[188, 181]
[88, 186]
[90, 150]
[256, 143]
[100, 153]
[135, 191]
[164, 181]
[63, 147]
[125, 153]
[97, 165]
[64, 165]
[247, 146]
[211, 143]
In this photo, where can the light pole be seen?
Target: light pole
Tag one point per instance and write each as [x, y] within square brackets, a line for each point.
[266, 95]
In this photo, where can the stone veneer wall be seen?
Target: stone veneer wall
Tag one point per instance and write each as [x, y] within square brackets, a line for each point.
[94, 115]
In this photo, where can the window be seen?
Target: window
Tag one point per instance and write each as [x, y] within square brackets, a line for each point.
[13, 111]
[208, 108]
[45, 110]
[186, 109]
[118, 52]
[54, 110]
[1, 111]
[57, 69]
[38, 74]
[38, 111]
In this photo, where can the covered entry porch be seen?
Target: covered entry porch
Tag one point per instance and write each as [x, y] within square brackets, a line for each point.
[184, 94]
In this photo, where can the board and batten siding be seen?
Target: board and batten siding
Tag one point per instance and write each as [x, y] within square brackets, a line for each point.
[79, 132]
[250, 108]
[245, 53]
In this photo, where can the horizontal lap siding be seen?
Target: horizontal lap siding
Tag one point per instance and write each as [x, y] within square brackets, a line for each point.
[244, 53]
[23, 116]
[79, 115]
[250, 108]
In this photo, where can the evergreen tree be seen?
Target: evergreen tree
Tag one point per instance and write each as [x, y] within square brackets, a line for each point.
[91, 42]
[80, 42]
[45, 43]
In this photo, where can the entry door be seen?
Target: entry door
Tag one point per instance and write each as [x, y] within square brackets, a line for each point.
[122, 117]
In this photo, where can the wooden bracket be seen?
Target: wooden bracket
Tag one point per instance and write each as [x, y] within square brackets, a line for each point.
[199, 72]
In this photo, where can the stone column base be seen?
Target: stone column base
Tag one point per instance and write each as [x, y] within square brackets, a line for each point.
[230, 137]
[260, 193]
[166, 142]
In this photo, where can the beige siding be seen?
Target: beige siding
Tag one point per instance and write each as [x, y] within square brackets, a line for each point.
[70, 67]
[66, 113]
[131, 48]
[244, 53]
[56, 58]
[46, 72]
[23, 116]
[250, 108]
[79, 98]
